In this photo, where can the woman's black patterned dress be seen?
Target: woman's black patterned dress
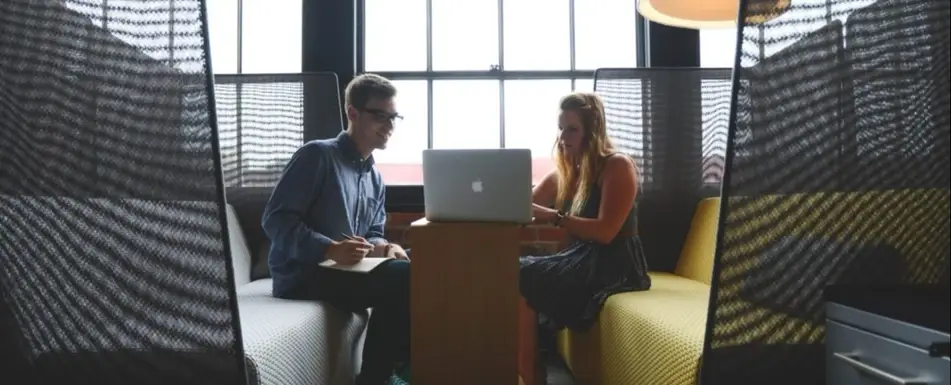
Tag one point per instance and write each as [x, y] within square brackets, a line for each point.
[569, 288]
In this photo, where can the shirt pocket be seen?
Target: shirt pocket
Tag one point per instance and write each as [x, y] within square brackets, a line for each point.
[368, 207]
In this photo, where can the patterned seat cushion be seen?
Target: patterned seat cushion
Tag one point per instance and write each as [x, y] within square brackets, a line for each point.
[297, 342]
[656, 336]
[651, 337]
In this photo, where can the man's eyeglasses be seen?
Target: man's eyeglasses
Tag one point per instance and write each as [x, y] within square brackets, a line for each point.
[383, 116]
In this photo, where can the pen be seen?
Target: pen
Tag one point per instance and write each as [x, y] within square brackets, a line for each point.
[348, 237]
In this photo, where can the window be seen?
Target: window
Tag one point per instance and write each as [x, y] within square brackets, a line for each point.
[488, 74]
[404, 152]
[531, 110]
[223, 32]
[544, 46]
[270, 36]
[255, 36]
[467, 113]
[584, 85]
[398, 37]
[717, 48]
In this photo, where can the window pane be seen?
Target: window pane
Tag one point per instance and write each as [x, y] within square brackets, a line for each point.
[223, 33]
[543, 46]
[466, 114]
[584, 85]
[401, 161]
[465, 35]
[395, 35]
[531, 118]
[605, 35]
[717, 47]
[271, 36]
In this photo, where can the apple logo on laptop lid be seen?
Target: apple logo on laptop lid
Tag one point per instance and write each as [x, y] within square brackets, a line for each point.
[477, 186]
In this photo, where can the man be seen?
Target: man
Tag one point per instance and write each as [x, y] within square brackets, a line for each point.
[329, 205]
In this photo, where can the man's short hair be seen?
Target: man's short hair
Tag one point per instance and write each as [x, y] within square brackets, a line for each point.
[366, 87]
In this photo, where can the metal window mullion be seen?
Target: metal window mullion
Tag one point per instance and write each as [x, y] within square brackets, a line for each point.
[485, 75]
[361, 31]
[429, 69]
[429, 113]
[501, 113]
[641, 40]
[240, 34]
[571, 37]
[571, 43]
[501, 69]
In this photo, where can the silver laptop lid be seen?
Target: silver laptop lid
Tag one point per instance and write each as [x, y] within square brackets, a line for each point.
[493, 185]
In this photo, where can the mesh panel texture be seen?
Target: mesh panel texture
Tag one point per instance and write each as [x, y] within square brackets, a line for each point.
[113, 266]
[838, 173]
[262, 121]
[674, 123]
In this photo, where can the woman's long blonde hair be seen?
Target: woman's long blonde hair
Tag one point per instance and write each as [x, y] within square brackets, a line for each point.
[575, 176]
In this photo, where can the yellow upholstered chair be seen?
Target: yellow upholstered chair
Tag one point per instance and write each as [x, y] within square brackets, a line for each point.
[653, 337]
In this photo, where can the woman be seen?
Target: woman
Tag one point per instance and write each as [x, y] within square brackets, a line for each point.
[591, 194]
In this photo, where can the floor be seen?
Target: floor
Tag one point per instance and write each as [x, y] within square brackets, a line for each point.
[558, 373]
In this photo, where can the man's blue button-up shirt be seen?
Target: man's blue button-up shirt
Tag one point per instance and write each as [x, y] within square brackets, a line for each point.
[327, 189]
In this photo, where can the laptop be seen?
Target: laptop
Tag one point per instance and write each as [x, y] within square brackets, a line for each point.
[492, 185]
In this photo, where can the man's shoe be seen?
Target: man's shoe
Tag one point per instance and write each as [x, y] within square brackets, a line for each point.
[396, 380]
[402, 373]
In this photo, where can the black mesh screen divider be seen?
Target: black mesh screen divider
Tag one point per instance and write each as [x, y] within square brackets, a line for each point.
[264, 119]
[113, 266]
[837, 173]
[674, 123]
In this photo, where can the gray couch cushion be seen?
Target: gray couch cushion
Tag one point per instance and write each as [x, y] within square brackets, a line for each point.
[249, 203]
[240, 255]
[297, 342]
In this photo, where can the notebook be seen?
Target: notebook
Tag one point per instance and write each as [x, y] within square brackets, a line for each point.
[364, 266]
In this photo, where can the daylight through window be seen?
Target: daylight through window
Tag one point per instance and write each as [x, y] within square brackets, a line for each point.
[488, 74]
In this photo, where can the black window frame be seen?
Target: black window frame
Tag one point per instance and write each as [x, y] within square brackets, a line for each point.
[336, 26]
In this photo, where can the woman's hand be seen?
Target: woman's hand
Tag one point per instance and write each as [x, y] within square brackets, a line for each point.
[543, 214]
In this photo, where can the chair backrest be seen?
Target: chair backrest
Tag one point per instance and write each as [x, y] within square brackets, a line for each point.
[264, 119]
[696, 258]
[839, 175]
[114, 264]
[673, 122]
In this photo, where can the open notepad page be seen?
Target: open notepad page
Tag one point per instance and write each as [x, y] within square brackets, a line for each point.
[364, 266]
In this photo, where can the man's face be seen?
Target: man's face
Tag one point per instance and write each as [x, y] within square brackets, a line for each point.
[373, 124]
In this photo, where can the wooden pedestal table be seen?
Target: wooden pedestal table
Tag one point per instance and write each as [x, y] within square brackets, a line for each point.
[465, 305]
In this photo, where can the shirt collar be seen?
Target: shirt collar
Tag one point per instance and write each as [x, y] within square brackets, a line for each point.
[349, 149]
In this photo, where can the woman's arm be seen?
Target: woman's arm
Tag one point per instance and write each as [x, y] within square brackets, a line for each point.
[546, 191]
[618, 190]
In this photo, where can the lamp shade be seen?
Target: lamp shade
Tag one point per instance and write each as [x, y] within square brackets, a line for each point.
[709, 13]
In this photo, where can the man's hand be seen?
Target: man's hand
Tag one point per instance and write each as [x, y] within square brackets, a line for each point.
[396, 252]
[350, 251]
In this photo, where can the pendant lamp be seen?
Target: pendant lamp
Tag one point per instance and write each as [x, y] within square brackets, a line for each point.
[697, 14]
